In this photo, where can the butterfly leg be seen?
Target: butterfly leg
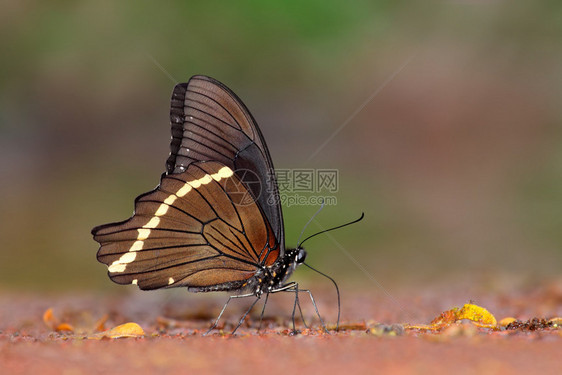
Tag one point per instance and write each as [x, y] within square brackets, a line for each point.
[224, 308]
[293, 287]
[301, 314]
[297, 303]
[247, 312]
[315, 307]
[263, 310]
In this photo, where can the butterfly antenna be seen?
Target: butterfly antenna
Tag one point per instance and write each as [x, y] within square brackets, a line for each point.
[337, 291]
[334, 228]
[309, 221]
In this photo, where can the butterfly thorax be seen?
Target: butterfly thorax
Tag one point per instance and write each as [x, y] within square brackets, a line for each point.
[268, 279]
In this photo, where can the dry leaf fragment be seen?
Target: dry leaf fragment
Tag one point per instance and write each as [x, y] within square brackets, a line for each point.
[49, 319]
[121, 331]
[125, 330]
[64, 327]
[419, 327]
[446, 318]
[479, 315]
[100, 324]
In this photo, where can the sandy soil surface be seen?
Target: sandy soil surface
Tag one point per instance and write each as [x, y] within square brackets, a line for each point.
[373, 337]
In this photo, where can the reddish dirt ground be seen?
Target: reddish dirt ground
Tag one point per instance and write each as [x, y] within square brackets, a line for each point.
[173, 340]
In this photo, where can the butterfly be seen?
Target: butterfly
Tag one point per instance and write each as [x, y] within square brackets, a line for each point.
[214, 223]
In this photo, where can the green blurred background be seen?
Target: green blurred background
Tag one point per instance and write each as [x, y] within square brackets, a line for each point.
[456, 161]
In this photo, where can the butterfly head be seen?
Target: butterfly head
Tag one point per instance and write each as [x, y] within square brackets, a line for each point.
[300, 256]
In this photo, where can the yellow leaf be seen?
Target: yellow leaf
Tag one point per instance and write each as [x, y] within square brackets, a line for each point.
[123, 330]
[64, 327]
[479, 315]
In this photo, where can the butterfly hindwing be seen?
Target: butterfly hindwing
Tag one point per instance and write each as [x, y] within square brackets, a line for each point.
[190, 231]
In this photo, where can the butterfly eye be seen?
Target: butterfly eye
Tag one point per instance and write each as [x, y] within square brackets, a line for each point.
[301, 256]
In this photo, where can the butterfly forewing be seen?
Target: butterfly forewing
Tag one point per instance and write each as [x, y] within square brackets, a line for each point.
[209, 122]
[190, 231]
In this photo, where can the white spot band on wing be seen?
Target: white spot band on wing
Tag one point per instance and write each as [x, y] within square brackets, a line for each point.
[120, 265]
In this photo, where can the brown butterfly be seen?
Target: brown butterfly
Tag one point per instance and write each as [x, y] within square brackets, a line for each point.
[215, 222]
